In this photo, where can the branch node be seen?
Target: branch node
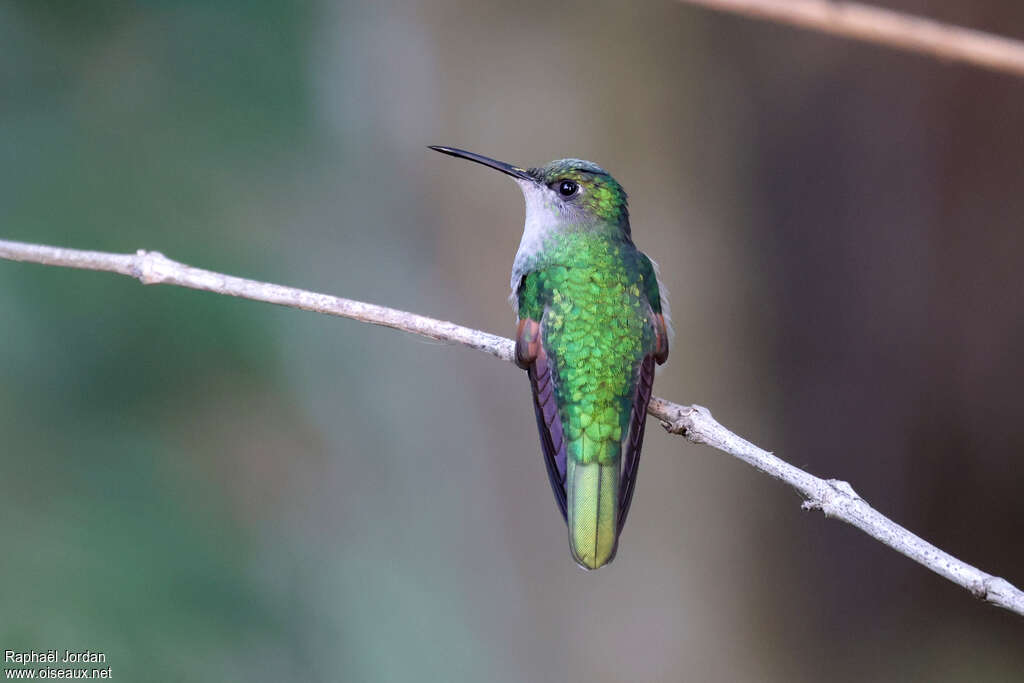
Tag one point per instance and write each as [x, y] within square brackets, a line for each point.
[980, 589]
[148, 267]
[810, 504]
[682, 422]
[832, 498]
[844, 487]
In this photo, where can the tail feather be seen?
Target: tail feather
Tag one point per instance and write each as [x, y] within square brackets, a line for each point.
[592, 492]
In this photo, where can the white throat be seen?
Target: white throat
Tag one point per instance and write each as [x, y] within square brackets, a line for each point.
[543, 216]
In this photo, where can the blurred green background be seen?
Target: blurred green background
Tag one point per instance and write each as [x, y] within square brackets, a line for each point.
[206, 488]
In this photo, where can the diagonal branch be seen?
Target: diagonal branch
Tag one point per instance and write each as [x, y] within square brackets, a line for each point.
[885, 27]
[833, 497]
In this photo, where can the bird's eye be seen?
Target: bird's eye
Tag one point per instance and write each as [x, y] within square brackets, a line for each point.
[568, 188]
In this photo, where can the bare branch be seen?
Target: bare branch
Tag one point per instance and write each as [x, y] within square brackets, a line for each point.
[153, 268]
[885, 27]
[833, 497]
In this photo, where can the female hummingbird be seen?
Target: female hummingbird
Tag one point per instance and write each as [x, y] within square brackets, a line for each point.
[592, 324]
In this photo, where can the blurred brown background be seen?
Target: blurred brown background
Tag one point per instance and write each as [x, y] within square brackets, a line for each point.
[212, 489]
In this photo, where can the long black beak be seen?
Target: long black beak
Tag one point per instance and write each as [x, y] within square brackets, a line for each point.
[509, 169]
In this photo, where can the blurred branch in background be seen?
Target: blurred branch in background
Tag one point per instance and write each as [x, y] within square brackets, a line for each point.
[833, 497]
[885, 27]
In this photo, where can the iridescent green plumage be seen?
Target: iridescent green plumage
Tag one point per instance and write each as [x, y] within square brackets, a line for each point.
[590, 292]
[590, 330]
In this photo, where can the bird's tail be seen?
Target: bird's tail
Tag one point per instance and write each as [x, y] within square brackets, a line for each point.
[592, 502]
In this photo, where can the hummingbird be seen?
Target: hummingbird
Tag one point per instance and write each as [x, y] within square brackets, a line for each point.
[592, 323]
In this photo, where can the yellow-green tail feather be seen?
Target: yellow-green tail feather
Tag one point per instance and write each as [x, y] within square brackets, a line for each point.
[592, 502]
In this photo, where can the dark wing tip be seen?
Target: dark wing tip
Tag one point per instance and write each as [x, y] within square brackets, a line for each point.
[635, 442]
[549, 424]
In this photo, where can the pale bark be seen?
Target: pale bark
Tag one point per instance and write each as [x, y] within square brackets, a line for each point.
[885, 27]
[834, 498]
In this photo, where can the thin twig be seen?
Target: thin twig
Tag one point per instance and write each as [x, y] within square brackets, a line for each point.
[885, 27]
[833, 497]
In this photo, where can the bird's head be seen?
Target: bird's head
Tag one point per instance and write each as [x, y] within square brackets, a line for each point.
[566, 193]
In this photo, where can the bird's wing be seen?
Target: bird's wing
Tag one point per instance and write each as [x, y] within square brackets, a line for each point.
[638, 419]
[635, 436]
[530, 355]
